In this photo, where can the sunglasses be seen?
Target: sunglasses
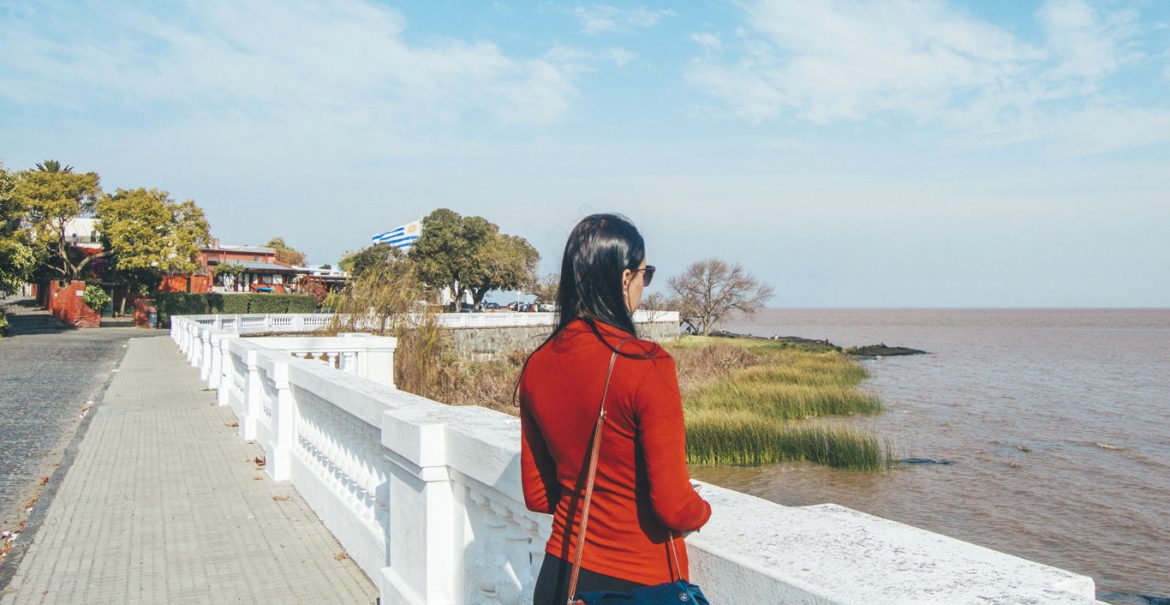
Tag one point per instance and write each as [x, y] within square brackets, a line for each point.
[647, 275]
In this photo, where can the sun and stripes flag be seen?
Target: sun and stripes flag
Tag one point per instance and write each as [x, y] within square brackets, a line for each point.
[400, 237]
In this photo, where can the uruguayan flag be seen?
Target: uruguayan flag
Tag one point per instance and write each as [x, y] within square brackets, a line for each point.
[401, 237]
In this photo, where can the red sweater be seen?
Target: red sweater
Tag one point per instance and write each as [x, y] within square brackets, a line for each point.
[642, 486]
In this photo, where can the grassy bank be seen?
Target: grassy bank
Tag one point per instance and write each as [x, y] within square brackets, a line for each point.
[744, 400]
[747, 401]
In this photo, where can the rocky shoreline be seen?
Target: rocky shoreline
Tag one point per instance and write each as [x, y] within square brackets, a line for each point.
[867, 351]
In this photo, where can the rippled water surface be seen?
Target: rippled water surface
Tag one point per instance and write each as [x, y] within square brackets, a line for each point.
[1056, 421]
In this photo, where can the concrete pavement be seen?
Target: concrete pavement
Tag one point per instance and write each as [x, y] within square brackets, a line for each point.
[162, 503]
[48, 372]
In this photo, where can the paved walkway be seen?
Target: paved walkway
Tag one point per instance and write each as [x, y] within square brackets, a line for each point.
[48, 373]
[161, 504]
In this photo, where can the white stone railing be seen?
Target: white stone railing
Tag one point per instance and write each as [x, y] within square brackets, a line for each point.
[426, 499]
[512, 320]
[294, 323]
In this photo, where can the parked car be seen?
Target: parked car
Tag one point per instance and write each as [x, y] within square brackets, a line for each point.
[491, 306]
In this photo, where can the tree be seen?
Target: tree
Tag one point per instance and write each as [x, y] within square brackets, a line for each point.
[17, 253]
[447, 251]
[711, 289]
[52, 195]
[545, 289]
[147, 234]
[286, 254]
[504, 262]
[53, 166]
[657, 303]
[469, 254]
[370, 257]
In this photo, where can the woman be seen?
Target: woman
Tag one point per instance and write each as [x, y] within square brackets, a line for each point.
[642, 496]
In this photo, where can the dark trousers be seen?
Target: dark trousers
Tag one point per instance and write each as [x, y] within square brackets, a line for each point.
[552, 585]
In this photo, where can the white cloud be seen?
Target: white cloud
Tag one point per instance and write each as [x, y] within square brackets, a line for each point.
[310, 58]
[603, 18]
[925, 60]
[837, 61]
[707, 40]
[620, 56]
[1105, 128]
[1088, 44]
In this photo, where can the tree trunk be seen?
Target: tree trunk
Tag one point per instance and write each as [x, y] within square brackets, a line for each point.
[477, 296]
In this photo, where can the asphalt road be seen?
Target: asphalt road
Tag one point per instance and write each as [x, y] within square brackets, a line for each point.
[47, 374]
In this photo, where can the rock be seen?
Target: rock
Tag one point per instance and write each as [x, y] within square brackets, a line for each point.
[882, 350]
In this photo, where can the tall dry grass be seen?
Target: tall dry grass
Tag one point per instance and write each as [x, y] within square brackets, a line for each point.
[744, 438]
[743, 399]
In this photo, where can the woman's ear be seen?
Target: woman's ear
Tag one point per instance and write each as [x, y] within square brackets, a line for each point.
[627, 275]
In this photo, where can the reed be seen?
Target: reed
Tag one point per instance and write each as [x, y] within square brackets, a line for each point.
[742, 399]
[746, 439]
[783, 401]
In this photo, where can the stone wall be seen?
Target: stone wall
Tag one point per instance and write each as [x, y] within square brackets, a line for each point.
[483, 344]
[67, 304]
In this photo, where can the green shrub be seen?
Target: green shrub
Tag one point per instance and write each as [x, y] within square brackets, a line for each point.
[179, 303]
[302, 304]
[96, 298]
[268, 303]
[234, 304]
[3, 324]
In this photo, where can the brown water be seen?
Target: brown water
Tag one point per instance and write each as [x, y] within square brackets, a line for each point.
[1056, 422]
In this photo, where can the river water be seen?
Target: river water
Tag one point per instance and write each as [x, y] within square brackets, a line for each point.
[1057, 424]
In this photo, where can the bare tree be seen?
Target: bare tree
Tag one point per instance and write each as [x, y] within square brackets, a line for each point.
[710, 289]
[544, 290]
[656, 304]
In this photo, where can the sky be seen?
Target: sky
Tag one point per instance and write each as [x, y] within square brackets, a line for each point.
[895, 153]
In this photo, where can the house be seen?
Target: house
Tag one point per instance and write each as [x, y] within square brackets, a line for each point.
[242, 268]
[83, 232]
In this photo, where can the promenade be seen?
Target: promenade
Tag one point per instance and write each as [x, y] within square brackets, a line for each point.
[48, 374]
[161, 502]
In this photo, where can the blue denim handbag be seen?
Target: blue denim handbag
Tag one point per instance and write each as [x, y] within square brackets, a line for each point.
[679, 592]
[676, 593]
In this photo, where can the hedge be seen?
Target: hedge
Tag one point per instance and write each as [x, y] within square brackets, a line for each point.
[179, 303]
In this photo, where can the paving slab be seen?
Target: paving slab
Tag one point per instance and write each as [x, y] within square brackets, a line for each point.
[163, 503]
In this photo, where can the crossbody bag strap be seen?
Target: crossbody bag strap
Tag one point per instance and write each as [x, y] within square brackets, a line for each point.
[594, 452]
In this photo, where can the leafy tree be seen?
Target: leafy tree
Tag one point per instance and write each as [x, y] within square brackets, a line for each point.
[147, 234]
[447, 251]
[286, 254]
[710, 289]
[505, 262]
[371, 257]
[17, 253]
[469, 254]
[52, 195]
[545, 289]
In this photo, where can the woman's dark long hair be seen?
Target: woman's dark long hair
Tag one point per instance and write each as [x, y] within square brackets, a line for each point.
[599, 250]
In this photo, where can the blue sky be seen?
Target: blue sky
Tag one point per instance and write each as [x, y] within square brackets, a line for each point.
[853, 154]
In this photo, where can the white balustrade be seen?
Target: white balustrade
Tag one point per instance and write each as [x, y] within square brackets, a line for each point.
[299, 323]
[426, 499]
